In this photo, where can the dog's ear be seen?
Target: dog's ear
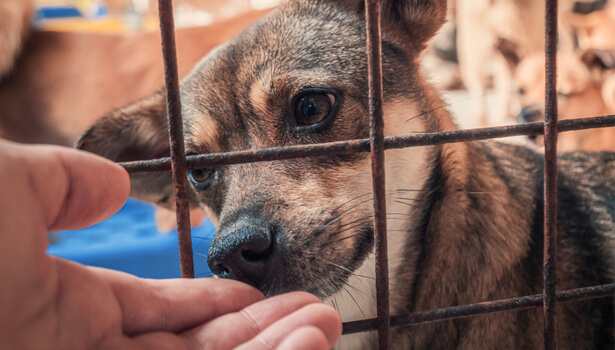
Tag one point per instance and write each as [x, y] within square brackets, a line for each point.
[136, 132]
[412, 21]
[510, 52]
[599, 62]
[600, 59]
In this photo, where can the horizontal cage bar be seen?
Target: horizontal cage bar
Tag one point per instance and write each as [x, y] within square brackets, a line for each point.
[488, 307]
[362, 145]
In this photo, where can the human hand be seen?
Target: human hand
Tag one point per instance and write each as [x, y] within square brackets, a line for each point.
[51, 303]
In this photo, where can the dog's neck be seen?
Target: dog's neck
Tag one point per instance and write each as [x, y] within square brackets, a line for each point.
[466, 197]
[433, 221]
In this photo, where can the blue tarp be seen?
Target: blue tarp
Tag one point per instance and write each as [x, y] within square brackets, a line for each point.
[130, 242]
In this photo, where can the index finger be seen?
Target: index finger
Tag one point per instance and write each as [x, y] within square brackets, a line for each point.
[175, 305]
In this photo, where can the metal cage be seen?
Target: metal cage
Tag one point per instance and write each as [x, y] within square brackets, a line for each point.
[178, 163]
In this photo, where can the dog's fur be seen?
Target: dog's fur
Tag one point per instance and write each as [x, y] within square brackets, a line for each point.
[581, 78]
[465, 219]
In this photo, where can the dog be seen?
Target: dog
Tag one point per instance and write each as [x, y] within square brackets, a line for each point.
[465, 220]
[489, 33]
[595, 27]
[581, 81]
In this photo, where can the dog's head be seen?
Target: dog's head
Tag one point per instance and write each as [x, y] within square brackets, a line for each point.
[578, 85]
[297, 76]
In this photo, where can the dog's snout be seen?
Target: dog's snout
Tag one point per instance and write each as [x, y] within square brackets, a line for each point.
[243, 253]
[529, 114]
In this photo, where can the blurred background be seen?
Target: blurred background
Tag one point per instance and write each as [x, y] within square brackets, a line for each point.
[64, 64]
[118, 16]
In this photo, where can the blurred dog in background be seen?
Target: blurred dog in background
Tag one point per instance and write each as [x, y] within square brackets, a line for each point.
[586, 78]
[485, 40]
[579, 86]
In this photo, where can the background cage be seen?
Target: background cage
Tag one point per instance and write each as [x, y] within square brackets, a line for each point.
[178, 163]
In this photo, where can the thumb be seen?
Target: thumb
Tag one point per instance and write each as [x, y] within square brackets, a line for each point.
[73, 189]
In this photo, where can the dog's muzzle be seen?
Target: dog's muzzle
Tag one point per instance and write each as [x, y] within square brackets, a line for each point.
[242, 252]
[530, 114]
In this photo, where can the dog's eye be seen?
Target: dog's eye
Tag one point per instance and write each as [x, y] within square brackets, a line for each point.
[313, 107]
[521, 91]
[201, 177]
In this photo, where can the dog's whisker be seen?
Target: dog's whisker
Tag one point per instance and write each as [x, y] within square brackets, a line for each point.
[408, 204]
[348, 270]
[354, 224]
[355, 221]
[348, 237]
[351, 200]
[339, 217]
[334, 303]
[410, 199]
[470, 192]
[355, 301]
[359, 292]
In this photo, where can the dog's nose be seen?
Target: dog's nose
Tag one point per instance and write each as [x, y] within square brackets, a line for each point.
[242, 253]
[529, 114]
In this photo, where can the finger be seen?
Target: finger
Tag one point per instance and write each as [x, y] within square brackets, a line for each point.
[175, 305]
[234, 329]
[149, 341]
[97, 189]
[305, 338]
[320, 316]
[72, 189]
[161, 341]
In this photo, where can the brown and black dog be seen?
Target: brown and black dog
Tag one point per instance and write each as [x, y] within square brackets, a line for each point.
[465, 219]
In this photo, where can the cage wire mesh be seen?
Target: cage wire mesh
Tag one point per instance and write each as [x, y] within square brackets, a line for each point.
[178, 163]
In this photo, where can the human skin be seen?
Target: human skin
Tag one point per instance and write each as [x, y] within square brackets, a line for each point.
[50, 303]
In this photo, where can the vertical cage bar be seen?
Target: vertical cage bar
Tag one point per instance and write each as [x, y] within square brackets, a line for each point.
[374, 66]
[176, 137]
[550, 176]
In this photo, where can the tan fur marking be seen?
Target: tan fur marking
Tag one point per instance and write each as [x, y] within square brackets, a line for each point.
[204, 131]
[259, 94]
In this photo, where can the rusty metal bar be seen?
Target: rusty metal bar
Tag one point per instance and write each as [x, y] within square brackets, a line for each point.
[550, 176]
[374, 72]
[362, 145]
[176, 137]
[488, 307]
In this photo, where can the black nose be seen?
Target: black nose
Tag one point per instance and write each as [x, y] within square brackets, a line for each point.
[530, 114]
[242, 252]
